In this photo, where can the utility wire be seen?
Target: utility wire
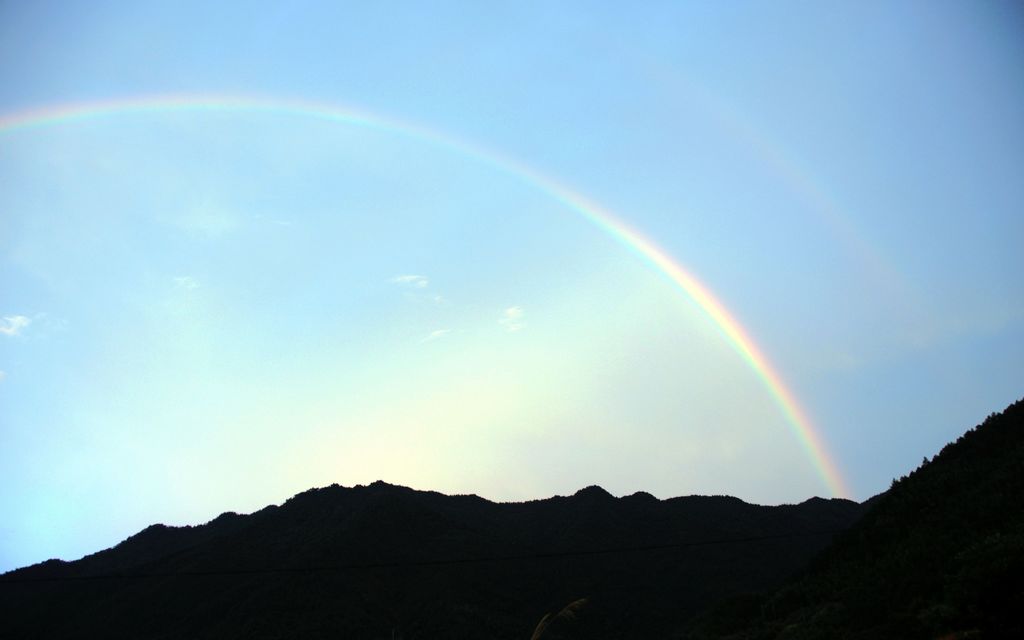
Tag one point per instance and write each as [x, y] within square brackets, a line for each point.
[415, 563]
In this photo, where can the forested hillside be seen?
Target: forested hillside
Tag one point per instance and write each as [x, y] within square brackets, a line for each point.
[941, 554]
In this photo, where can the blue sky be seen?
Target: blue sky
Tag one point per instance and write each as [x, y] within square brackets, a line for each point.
[213, 311]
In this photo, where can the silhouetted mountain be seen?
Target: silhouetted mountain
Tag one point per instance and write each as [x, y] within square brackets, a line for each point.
[380, 561]
[940, 555]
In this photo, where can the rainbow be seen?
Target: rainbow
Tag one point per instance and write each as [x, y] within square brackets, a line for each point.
[801, 425]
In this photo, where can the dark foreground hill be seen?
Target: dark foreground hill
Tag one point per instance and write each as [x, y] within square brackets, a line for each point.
[940, 555]
[383, 561]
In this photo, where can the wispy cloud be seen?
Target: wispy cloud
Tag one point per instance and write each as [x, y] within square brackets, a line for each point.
[419, 282]
[513, 319]
[13, 325]
[3, 375]
[436, 334]
[186, 283]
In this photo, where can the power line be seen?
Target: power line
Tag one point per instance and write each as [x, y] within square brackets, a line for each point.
[417, 563]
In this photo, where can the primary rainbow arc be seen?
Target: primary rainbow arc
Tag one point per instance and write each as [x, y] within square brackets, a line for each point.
[802, 427]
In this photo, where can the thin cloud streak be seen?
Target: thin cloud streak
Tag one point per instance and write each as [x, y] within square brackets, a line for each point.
[419, 282]
[436, 335]
[13, 325]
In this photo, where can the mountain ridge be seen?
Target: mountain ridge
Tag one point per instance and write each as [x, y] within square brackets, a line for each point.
[157, 530]
[426, 564]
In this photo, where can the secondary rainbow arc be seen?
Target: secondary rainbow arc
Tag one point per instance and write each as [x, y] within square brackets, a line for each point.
[801, 425]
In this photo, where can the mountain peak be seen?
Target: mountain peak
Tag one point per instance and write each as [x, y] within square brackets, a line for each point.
[593, 492]
[642, 496]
